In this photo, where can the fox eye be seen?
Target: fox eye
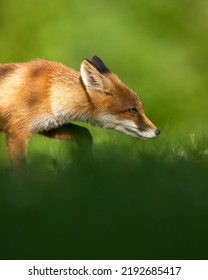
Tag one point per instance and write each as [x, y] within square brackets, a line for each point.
[133, 111]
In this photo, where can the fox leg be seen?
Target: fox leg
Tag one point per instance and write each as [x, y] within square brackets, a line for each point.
[17, 149]
[79, 134]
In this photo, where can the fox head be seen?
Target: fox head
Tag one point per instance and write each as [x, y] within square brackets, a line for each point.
[115, 106]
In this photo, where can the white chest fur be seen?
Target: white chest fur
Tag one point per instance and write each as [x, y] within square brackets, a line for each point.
[48, 122]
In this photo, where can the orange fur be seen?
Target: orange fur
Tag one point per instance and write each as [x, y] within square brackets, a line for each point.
[43, 97]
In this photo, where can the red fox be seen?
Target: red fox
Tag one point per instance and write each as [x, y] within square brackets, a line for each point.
[41, 96]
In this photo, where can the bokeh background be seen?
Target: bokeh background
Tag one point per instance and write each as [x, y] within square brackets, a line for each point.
[133, 199]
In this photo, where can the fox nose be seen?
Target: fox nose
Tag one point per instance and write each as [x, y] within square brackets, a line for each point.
[157, 131]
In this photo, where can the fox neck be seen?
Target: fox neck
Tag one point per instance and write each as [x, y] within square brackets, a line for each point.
[71, 101]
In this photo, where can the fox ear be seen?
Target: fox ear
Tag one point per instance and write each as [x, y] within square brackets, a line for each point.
[91, 77]
[98, 63]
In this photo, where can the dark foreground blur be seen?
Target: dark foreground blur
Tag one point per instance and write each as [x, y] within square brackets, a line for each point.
[106, 209]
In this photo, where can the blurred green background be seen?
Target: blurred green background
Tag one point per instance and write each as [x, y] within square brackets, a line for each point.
[134, 199]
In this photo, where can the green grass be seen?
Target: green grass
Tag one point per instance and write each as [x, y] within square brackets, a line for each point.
[132, 200]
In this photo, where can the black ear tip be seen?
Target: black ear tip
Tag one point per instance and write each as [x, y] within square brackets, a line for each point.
[95, 57]
[99, 64]
[97, 60]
